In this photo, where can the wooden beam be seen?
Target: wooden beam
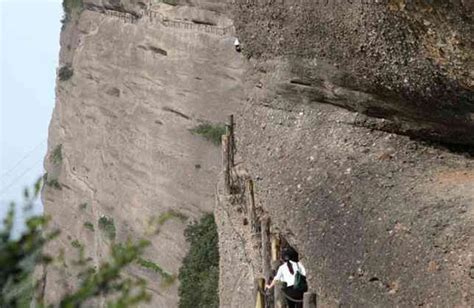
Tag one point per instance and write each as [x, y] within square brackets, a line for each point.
[266, 258]
[231, 141]
[225, 163]
[251, 211]
[275, 248]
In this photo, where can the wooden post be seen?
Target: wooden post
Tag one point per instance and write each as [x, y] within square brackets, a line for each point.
[280, 301]
[260, 299]
[251, 211]
[266, 255]
[310, 300]
[225, 163]
[230, 133]
[275, 248]
[266, 247]
[275, 258]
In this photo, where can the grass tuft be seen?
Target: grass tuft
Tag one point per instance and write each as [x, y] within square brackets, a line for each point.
[171, 214]
[71, 8]
[168, 279]
[107, 226]
[76, 244]
[54, 183]
[57, 155]
[211, 132]
[89, 226]
[65, 72]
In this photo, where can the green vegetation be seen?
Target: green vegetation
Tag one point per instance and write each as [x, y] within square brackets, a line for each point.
[170, 2]
[19, 256]
[199, 274]
[65, 72]
[107, 226]
[168, 279]
[171, 214]
[54, 183]
[72, 8]
[76, 244]
[212, 132]
[83, 206]
[89, 226]
[57, 155]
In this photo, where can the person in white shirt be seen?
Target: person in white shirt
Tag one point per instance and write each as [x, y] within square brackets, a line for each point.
[286, 273]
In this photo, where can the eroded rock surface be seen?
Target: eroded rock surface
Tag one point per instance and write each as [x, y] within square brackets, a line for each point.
[144, 74]
[379, 219]
[409, 62]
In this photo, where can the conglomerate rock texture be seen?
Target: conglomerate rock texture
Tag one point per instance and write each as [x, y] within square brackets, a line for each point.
[144, 74]
[407, 61]
[381, 220]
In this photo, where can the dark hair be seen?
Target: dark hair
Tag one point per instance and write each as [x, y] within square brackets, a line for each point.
[286, 257]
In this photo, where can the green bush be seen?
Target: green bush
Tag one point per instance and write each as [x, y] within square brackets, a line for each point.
[57, 155]
[71, 9]
[212, 132]
[199, 274]
[54, 183]
[76, 244]
[20, 254]
[65, 72]
[107, 226]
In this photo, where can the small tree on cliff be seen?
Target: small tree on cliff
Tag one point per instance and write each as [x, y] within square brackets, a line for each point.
[19, 256]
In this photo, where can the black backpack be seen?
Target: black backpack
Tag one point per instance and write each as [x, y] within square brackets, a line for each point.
[301, 285]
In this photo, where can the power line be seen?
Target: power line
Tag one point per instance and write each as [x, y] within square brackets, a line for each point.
[24, 158]
[4, 190]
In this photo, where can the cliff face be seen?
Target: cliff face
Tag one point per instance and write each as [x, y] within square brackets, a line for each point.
[325, 107]
[143, 75]
[379, 219]
[408, 62]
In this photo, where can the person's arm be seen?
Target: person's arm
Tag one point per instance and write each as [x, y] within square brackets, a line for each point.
[271, 285]
[278, 277]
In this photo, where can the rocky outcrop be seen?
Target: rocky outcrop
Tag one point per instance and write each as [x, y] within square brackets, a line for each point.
[408, 62]
[334, 89]
[139, 76]
[324, 107]
[379, 219]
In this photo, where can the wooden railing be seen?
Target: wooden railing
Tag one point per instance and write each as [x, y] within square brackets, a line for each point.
[260, 227]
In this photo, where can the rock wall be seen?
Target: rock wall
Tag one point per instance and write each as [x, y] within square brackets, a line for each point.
[379, 220]
[323, 106]
[144, 74]
[407, 62]
[333, 91]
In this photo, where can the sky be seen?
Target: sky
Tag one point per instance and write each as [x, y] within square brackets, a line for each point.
[29, 50]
